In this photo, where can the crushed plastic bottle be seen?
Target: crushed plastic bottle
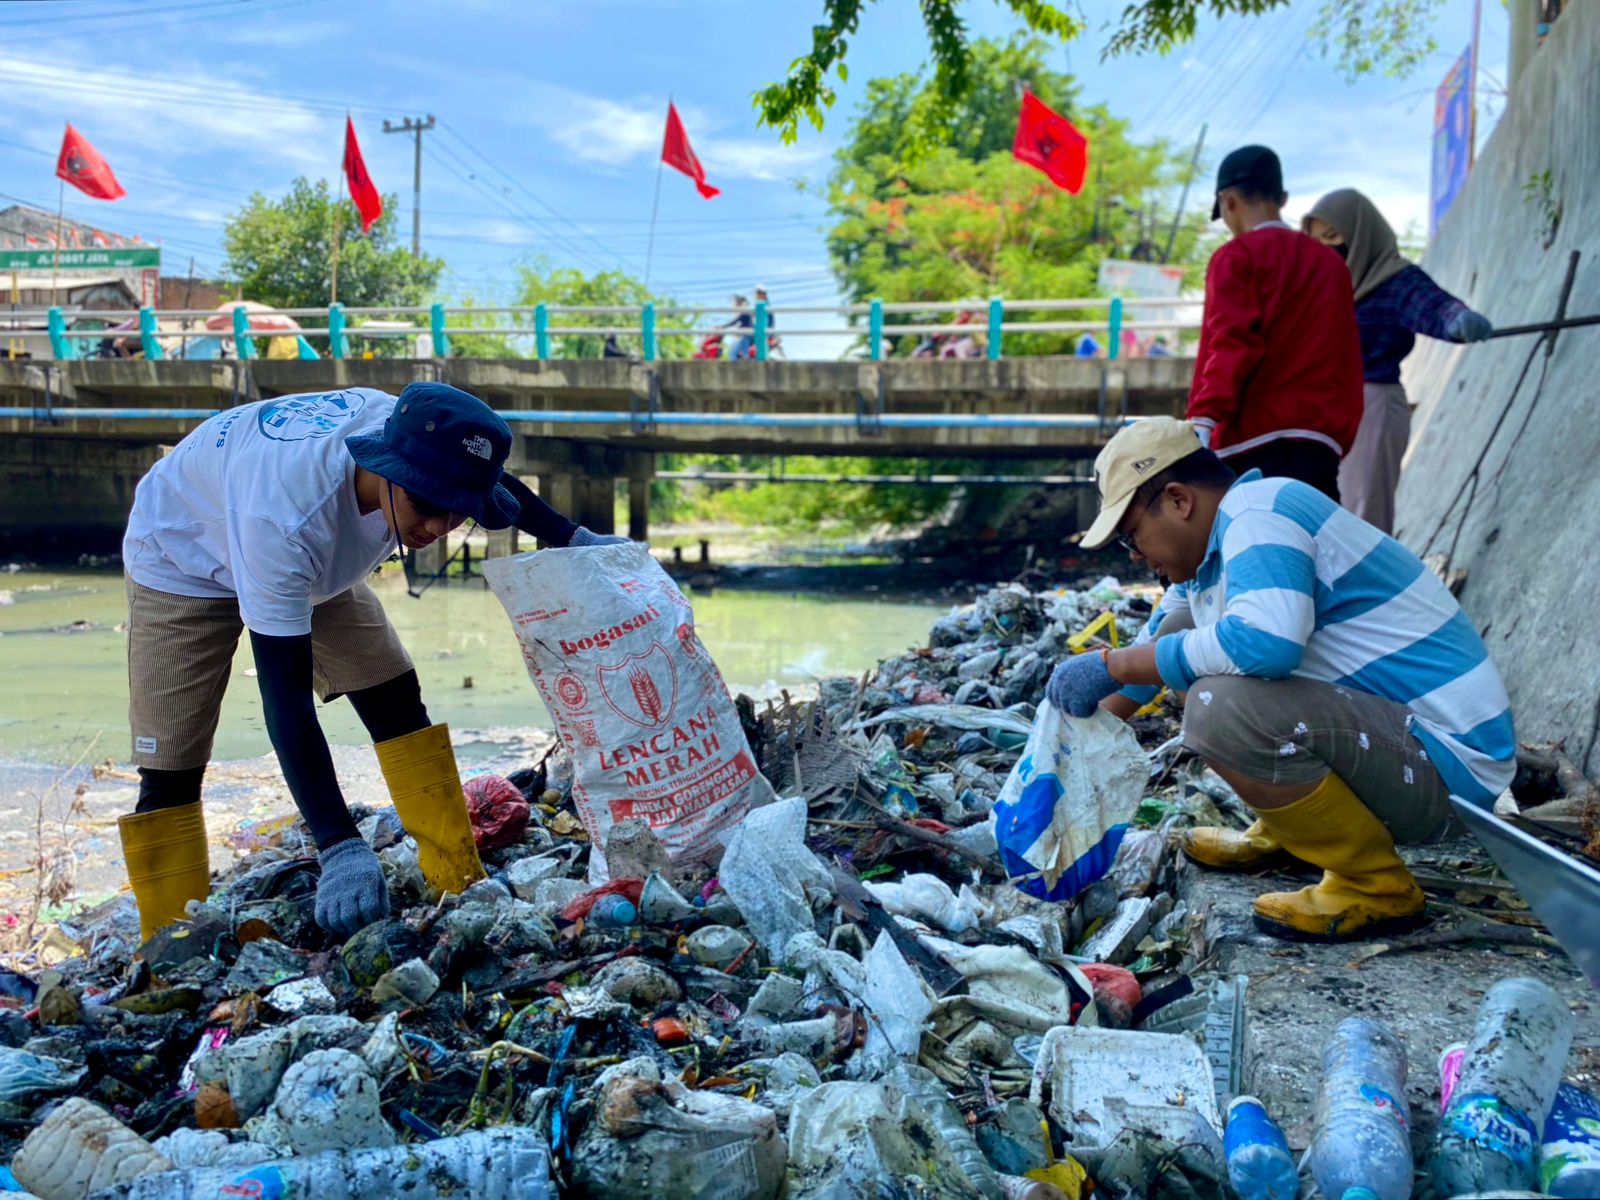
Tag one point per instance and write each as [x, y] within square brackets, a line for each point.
[81, 1148]
[1569, 1158]
[510, 1163]
[1260, 1166]
[1488, 1140]
[1363, 1124]
[613, 910]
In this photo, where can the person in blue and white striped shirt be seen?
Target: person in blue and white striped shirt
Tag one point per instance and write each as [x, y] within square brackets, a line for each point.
[1330, 678]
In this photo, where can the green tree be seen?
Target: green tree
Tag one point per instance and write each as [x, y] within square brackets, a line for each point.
[539, 283]
[967, 219]
[1368, 35]
[280, 252]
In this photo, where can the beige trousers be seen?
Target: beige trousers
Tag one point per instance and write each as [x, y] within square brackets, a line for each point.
[1370, 472]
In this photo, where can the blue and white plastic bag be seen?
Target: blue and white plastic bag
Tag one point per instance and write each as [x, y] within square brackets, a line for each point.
[1066, 805]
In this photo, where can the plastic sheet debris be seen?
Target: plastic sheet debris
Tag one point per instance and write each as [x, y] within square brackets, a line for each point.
[846, 1138]
[661, 1139]
[27, 1079]
[329, 1101]
[771, 875]
[1067, 803]
[499, 1164]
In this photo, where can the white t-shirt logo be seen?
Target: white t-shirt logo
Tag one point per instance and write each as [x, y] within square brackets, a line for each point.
[479, 445]
[297, 418]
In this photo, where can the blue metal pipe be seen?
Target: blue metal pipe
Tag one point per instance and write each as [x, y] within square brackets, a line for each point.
[571, 417]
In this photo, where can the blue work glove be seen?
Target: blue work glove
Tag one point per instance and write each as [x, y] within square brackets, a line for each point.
[1078, 685]
[352, 893]
[1468, 326]
[582, 537]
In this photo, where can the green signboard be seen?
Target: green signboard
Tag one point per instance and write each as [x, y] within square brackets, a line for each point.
[120, 259]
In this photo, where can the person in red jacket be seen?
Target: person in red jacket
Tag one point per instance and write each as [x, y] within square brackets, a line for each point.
[1277, 377]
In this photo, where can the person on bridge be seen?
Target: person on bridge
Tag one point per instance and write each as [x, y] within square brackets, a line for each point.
[1277, 376]
[1395, 301]
[269, 517]
[743, 318]
[1329, 677]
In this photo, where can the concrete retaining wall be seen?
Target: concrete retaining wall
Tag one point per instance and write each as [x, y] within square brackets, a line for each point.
[1530, 537]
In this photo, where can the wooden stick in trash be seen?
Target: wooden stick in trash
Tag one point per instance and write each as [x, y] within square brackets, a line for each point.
[885, 820]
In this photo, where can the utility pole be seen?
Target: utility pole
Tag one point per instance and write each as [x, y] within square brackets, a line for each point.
[417, 127]
[1172, 234]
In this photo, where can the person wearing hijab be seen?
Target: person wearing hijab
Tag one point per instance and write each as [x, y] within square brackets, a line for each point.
[1395, 301]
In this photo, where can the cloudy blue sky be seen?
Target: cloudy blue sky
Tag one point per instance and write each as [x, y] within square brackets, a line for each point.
[550, 118]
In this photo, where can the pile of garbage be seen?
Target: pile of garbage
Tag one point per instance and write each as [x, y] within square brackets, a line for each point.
[946, 960]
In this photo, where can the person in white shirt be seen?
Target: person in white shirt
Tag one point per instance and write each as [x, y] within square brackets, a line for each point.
[269, 517]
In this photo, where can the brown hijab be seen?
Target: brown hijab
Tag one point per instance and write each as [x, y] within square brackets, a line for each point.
[1371, 253]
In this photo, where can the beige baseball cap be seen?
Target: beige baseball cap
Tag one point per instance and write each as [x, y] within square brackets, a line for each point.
[1137, 454]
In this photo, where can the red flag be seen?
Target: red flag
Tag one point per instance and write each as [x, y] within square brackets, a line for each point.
[362, 190]
[676, 152]
[1047, 140]
[80, 165]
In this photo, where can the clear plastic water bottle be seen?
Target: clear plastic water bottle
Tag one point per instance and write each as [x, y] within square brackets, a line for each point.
[1569, 1159]
[511, 1163]
[1363, 1124]
[1260, 1166]
[1488, 1139]
[613, 910]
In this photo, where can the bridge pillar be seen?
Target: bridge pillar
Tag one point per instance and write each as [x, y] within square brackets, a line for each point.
[639, 508]
[430, 560]
[579, 480]
[65, 496]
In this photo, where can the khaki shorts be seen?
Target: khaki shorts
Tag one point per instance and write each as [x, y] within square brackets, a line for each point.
[1297, 730]
[180, 654]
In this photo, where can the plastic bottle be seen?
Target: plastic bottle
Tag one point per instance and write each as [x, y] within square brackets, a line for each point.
[1488, 1139]
[81, 1148]
[510, 1163]
[1363, 1125]
[949, 1124]
[1260, 1166]
[1569, 1159]
[613, 910]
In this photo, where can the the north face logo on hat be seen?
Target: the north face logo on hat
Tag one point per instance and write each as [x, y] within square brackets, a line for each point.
[1144, 464]
[479, 445]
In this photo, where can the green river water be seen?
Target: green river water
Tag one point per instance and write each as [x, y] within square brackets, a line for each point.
[63, 658]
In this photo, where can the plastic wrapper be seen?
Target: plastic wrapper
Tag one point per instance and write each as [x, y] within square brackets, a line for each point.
[1066, 805]
[499, 812]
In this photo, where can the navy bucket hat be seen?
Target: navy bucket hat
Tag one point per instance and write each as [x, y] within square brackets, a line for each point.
[446, 447]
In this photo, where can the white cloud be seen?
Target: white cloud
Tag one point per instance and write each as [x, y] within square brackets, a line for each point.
[185, 112]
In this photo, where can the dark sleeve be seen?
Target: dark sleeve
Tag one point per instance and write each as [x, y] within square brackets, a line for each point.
[1421, 305]
[283, 669]
[538, 518]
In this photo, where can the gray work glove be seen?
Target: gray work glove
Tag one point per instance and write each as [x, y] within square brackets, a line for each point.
[1078, 685]
[352, 893]
[582, 537]
[1468, 326]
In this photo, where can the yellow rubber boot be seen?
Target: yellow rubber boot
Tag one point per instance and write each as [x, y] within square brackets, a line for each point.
[168, 863]
[1230, 850]
[1366, 890]
[420, 769]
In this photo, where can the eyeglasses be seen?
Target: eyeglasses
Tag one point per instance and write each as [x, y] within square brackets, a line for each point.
[1129, 541]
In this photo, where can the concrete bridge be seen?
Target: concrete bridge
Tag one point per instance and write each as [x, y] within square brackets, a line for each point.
[76, 435]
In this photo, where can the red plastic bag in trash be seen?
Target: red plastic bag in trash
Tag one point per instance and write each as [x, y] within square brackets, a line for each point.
[1116, 992]
[498, 810]
[629, 889]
